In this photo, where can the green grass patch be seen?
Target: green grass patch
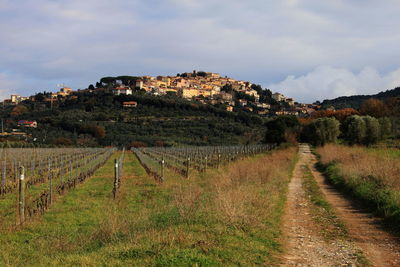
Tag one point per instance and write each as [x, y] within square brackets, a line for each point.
[332, 228]
[374, 196]
[324, 214]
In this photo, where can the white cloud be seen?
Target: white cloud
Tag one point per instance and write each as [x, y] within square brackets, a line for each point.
[326, 82]
[6, 83]
[46, 42]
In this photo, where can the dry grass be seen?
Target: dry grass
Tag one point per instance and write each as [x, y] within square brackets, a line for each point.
[187, 201]
[219, 211]
[110, 227]
[223, 217]
[364, 163]
[245, 193]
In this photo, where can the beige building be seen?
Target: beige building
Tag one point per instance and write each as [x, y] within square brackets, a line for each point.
[139, 84]
[64, 91]
[225, 96]
[278, 97]
[16, 99]
[193, 92]
[122, 91]
[164, 80]
[290, 101]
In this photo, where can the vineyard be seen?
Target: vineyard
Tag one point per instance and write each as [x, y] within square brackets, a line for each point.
[31, 178]
[121, 214]
[186, 159]
[184, 206]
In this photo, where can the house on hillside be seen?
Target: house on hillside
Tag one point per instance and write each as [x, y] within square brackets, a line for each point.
[26, 123]
[64, 91]
[139, 84]
[263, 112]
[15, 99]
[290, 101]
[129, 104]
[263, 105]
[249, 109]
[278, 97]
[225, 96]
[242, 102]
[122, 91]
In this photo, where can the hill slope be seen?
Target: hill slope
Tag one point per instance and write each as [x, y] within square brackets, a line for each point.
[99, 118]
[356, 101]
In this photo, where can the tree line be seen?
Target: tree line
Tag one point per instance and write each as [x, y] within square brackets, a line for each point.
[355, 129]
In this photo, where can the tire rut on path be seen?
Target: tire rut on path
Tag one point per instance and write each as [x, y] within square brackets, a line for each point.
[379, 246]
[305, 245]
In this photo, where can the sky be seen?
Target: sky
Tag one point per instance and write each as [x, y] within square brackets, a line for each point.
[306, 49]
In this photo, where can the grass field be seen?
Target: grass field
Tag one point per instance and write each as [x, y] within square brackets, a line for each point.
[369, 174]
[226, 216]
[8, 202]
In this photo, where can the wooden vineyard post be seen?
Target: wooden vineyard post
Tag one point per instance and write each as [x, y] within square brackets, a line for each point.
[115, 178]
[50, 184]
[119, 172]
[219, 160]
[70, 169]
[15, 171]
[32, 168]
[162, 169]
[205, 163]
[187, 167]
[61, 173]
[62, 170]
[21, 195]
[76, 170]
[3, 179]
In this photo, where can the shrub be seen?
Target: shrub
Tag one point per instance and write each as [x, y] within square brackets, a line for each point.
[322, 131]
[386, 127]
[355, 129]
[372, 134]
[364, 130]
[63, 141]
[276, 128]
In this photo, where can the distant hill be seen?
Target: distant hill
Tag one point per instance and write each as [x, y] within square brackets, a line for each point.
[356, 101]
[100, 118]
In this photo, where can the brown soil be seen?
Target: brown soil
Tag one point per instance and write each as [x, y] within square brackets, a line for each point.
[305, 244]
[378, 245]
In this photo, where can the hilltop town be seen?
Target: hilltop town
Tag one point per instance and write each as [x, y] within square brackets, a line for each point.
[205, 87]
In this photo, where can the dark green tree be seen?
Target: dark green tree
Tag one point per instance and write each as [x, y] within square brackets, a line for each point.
[355, 129]
[322, 131]
[277, 128]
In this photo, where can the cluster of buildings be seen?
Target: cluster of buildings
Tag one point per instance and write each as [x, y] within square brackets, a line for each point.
[189, 85]
[290, 107]
[206, 87]
[211, 88]
[15, 99]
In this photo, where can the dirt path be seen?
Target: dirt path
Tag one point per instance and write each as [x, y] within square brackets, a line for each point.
[380, 247]
[304, 243]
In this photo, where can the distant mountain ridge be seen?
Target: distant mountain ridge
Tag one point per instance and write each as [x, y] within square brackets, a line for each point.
[356, 101]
